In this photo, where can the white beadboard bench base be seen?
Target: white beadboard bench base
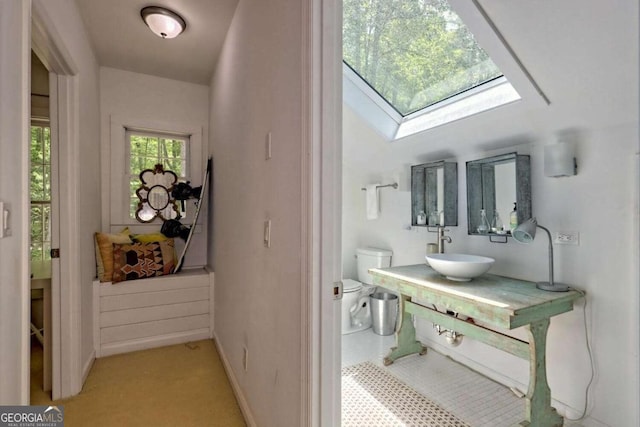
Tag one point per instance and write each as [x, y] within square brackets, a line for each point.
[154, 312]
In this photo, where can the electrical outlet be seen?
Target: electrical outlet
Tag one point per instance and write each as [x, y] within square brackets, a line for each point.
[566, 238]
[245, 359]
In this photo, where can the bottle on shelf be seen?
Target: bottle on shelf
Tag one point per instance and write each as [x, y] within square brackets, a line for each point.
[513, 218]
[496, 224]
[422, 218]
[483, 227]
[433, 218]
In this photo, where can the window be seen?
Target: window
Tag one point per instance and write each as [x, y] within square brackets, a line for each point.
[136, 144]
[40, 191]
[419, 59]
[147, 149]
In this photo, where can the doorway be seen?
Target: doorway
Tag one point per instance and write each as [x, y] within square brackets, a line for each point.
[66, 331]
[42, 226]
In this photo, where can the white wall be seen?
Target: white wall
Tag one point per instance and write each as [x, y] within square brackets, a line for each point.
[158, 104]
[14, 270]
[593, 93]
[256, 89]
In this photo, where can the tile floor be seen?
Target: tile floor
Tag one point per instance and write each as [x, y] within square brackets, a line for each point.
[479, 401]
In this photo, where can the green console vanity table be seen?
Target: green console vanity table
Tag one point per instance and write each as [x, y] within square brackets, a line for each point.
[494, 303]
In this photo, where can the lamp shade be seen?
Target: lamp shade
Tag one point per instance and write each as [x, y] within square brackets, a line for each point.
[559, 160]
[525, 232]
[163, 22]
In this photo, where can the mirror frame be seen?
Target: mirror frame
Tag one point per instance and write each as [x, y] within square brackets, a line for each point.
[156, 178]
[423, 178]
[481, 187]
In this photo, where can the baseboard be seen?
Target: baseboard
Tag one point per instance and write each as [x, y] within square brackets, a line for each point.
[153, 342]
[244, 406]
[212, 282]
[88, 364]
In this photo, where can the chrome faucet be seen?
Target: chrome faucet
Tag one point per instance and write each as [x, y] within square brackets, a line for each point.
[442, 238]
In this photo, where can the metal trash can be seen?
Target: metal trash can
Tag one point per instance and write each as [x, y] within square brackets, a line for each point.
[384, 313]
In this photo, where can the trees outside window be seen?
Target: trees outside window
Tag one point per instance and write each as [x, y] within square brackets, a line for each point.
[149, 149]
[40, 191]
[414, 53]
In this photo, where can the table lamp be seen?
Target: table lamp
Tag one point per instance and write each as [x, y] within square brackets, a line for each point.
[525, 233]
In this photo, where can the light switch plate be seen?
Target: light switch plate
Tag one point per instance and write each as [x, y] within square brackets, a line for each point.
[268, 147]
[5, 231]
[267, 233]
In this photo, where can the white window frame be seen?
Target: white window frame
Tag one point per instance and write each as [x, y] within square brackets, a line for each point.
[118, 177]
[42, 123]
[159, 135]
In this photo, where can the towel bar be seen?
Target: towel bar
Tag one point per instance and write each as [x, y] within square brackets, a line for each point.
[394, 185]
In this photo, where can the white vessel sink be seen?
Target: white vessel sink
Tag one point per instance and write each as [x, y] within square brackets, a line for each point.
[460, 267]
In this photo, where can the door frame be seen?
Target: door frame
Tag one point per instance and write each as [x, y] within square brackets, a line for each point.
[65, 282]
[15, 58]
[322, 207]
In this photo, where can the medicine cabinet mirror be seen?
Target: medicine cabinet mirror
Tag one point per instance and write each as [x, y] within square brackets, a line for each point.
[497, 185]
[434, 194]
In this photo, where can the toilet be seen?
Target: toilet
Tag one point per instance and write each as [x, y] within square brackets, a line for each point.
[356, 311]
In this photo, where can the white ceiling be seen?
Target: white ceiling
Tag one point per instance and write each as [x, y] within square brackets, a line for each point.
[122, 40]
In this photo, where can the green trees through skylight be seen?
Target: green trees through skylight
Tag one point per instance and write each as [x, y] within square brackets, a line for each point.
[414, 53]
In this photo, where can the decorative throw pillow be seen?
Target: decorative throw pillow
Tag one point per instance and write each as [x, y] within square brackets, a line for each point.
[149, 237]
[104, 252]
[141, 260]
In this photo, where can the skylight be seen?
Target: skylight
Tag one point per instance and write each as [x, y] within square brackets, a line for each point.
[418, 56]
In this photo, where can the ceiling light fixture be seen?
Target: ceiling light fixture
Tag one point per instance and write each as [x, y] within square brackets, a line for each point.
[163, 22]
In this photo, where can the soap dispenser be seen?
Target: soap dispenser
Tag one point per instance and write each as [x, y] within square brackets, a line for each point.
[513, 218]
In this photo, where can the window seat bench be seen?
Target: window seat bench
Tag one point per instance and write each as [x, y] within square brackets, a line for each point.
[154, 312]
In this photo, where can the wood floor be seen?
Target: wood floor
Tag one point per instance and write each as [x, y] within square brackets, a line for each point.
[180, 385]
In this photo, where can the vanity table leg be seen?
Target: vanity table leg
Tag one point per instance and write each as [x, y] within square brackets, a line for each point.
[538, 408]
[406, 342]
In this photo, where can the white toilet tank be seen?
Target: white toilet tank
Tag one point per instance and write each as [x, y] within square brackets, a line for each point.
[371, 258]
